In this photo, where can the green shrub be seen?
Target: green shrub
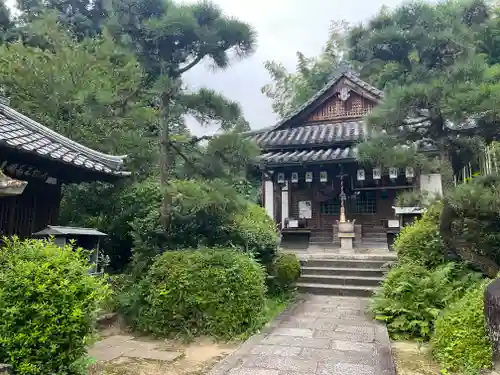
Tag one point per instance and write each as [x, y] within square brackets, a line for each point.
[420, 242]
[460, 341]
[48, 306]
[256, 232]
[204, 214]
[411, 297]
[218, 292]
[285, 271]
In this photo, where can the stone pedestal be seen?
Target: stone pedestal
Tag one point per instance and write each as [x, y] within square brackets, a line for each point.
[346, 235]
[346, 242]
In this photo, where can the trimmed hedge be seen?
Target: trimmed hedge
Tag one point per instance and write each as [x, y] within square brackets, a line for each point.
[48, 307]
[460, 342]
[217, 292]
[285, 271]
[420, 242]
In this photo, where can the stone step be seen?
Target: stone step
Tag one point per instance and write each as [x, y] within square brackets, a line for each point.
[341, 280]
[345, 272]
[336, 290]
[345, 263]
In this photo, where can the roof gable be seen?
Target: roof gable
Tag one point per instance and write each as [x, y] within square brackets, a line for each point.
[345, 86]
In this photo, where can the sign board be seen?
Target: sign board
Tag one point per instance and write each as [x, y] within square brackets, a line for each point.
[305, 209]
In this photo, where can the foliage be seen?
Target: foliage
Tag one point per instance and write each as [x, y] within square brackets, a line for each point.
[288, 91]
[439, 89]
[420, 242]
[460, 342]
[203, 213]
[414, 198]
[285, 271]
[253, 230]
[213, 291]
[48, 306]
[411, 297]
[86, 91]
[470, 223]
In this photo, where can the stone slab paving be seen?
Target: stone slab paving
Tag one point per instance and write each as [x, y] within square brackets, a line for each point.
[324, 335]
[114, 347]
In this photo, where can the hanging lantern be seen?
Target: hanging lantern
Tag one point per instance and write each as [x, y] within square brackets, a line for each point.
[393, 173]
[409, 173]
[295, 178]
[281, 178]
[323, 176]
[361, 175]
[377, 173]
[309, 176]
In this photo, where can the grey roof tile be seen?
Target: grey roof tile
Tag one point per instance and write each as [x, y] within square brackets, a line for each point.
[312, 134]
[308, 156]
[26, 135]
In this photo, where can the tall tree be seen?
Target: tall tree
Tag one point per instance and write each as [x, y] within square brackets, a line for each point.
[440, 91]
[289, 90]
[85, 90]
[170, 39]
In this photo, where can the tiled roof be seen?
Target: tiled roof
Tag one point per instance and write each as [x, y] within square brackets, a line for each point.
[20, 132]
[311, 134]
[343, 71]
[308, 156]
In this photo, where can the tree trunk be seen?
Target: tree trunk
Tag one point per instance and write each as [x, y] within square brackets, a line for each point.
[165, 158]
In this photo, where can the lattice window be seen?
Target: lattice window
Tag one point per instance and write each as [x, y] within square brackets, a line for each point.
[366, 203]
[330, 207]
[362, 204]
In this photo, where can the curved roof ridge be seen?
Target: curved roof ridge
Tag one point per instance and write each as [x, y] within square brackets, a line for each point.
[112, 161]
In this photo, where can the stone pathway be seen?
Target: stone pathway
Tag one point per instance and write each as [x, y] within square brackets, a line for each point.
[126, 346]
[323, 335]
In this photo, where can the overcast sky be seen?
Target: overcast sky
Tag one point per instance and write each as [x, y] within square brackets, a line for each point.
[283, 27]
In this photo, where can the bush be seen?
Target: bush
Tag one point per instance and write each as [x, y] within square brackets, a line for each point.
[218, 292]
[285, 271]
[421, 242]
[256, 232]
[48, 306]
[411, 297]
[204, 214]
[460, 342]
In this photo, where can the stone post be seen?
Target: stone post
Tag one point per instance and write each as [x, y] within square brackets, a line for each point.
[6, 369]
[492, 315]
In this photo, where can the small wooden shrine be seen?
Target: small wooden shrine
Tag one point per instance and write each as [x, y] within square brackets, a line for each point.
[35, 162]
[310, 173]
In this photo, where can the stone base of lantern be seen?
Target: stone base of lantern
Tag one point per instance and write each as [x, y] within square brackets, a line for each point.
[346, 241]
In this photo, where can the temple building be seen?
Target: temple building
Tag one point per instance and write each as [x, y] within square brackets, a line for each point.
[311, 176]
[35, 162]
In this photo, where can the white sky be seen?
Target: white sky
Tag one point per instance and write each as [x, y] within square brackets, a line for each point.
[283, 27]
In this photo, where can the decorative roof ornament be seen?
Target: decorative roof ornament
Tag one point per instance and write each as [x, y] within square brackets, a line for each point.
[11, 187]
[344, 93]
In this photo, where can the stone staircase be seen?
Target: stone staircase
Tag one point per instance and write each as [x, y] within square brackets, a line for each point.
[344, 275]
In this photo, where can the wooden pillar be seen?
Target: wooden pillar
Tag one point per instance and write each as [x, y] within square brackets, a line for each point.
[285, 203]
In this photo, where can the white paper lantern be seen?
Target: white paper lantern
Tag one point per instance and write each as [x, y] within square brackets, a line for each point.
[361, 175]
[377, 174]
[295, 178]
[309, 176]
[410, 173]
[281, 178]
[323, 176]
[393, 173]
